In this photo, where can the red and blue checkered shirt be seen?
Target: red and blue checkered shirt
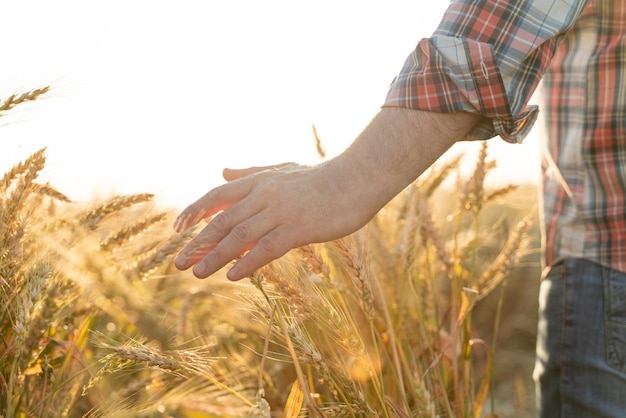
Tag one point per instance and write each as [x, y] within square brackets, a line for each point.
[488, 57]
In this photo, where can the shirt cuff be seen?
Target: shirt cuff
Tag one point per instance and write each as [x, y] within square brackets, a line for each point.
[449, 74]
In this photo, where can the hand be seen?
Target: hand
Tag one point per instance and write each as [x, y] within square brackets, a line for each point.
[264, 212]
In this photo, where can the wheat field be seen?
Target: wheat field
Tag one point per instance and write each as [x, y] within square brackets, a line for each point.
[418, 314]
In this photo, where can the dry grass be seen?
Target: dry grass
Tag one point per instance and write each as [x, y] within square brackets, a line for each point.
[96, 322]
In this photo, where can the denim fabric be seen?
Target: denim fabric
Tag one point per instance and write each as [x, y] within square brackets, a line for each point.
[580, 369]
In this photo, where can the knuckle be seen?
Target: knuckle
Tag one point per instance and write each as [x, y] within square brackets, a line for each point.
[298, 217]
[267, 245]
[222, 254]
[269, 186]
[221, 221]
[216, 255]
[198, 248]
[241, 233]
[215, 193]
[275, 188]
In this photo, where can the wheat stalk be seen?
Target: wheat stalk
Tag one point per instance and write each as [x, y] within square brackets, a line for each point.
[299, 302]
[505, 261]
[145, 265]
[115, 204]
[430, 230]
[318, 143]
[500, 192]
[314, 261]
[126, 234]
[17, 99]
[24, 174]
[36, 160]
[438, 174]
[352, 260]
[472, 196]
[413, 218]
[47, 190]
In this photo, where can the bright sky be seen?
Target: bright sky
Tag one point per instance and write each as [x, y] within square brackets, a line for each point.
[159, 96]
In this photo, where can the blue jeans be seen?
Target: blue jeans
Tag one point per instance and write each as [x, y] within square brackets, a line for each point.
[580, 370]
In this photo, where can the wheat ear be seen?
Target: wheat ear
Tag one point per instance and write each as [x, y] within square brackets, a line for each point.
[17, 99]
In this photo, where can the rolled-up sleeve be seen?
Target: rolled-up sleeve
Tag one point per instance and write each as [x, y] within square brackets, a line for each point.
[486, 57]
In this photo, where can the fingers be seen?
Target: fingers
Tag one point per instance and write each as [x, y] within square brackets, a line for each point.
[235, 222]
[218, 245]
[215, 200]
[249, 218]
[269, 248]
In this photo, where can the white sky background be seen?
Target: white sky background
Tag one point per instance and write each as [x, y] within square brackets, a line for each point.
[156, 96]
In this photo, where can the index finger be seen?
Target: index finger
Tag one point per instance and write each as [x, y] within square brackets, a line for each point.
[215, 200]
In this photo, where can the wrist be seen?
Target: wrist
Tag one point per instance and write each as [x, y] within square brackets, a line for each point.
[395, 149]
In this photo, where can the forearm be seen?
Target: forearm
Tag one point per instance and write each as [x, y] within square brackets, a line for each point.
[269, 212]
[396, 147]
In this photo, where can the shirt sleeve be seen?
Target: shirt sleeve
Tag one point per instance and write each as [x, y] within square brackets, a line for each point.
[486, 57]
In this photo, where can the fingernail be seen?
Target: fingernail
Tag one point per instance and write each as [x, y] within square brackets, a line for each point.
[181, 222]
[180, 260]
[199, 268]
[233, 273]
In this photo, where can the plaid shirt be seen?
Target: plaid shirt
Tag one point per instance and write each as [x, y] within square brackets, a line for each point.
[488, 57]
